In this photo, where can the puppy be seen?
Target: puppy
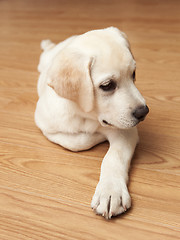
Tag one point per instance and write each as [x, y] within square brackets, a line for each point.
[87, 95]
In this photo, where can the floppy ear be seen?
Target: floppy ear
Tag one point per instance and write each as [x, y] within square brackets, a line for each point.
[70, 77]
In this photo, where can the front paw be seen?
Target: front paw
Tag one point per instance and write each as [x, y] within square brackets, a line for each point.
[111, 197]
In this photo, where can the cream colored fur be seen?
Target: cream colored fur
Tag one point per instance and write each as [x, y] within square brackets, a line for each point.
[74, 112]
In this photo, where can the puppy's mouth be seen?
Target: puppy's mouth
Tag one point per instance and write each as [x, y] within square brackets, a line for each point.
[105, 122]
[125, 125]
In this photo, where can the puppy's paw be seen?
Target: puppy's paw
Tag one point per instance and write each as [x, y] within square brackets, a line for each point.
[111, 198]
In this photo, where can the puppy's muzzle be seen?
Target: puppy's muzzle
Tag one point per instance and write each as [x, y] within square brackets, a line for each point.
[141, 112]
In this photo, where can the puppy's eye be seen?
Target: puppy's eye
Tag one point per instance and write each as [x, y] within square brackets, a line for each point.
[109, 86]
[134, 75]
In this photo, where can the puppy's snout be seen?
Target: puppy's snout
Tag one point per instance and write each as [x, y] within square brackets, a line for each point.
[141, 112]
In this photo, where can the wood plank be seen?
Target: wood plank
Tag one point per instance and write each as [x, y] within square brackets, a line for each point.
[46, 190]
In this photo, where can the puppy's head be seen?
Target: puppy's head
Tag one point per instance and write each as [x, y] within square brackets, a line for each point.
[97, 70]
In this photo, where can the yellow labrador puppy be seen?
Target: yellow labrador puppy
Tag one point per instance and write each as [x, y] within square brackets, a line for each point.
[86, 96]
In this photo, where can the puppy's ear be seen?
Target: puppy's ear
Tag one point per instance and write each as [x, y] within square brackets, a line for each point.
[70, 77]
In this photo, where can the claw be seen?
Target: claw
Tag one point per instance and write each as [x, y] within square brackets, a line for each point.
[105, 215]
[125, 209]
[94, 208]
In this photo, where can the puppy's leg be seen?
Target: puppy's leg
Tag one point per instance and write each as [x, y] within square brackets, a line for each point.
[76, 142]
[111, 196]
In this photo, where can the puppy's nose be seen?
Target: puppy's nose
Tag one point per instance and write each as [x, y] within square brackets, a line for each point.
[141, 112]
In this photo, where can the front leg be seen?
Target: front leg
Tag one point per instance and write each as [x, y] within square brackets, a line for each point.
[111, 197]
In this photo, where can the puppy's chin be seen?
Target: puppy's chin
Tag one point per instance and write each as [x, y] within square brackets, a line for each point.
[127, 125]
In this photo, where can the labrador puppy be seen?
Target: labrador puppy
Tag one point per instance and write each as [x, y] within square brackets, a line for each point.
[87, 95]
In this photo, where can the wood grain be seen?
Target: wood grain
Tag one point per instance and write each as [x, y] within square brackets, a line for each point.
[45, 190]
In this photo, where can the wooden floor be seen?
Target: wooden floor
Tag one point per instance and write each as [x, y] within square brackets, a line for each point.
[45, 190]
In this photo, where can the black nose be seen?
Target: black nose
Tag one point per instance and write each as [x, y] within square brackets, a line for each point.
[141, 112]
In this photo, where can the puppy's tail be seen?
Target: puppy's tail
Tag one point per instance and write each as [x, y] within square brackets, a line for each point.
[47, 44]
